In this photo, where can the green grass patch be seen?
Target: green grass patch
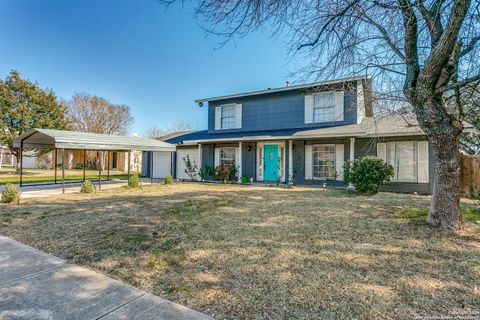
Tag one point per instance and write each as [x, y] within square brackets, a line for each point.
[421, 214]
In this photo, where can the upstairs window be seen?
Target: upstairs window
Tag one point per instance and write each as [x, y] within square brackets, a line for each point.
[228, 116]
[324, 107]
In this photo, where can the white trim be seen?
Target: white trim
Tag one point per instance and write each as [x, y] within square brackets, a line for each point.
[199, 156]
[238, 116]
[308, 162]
[422, 162]
[259, 163]
[309, 102]
[216, 160]
[382, 151]
[339, 105]
[301, 137]
[239, 163]
[218, 118]
[339, 160]
[290, 160]
[352, 156]
[360, 101]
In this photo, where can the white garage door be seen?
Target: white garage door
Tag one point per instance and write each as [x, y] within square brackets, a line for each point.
[182, 153]
[162, 162]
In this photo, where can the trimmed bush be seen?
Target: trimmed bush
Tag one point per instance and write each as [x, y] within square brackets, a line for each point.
[87, 187]
[10, 194]
[367, 174]
[134, 181]
[168, 179]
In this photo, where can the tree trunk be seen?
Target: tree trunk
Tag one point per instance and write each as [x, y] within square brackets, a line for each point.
[16, 152]
[445, 206]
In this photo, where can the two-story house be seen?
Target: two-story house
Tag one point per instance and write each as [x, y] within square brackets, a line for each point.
[303, 133]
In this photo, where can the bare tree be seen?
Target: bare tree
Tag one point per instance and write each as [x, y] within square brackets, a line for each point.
[156, 132]
[89, 113]
[423, 51]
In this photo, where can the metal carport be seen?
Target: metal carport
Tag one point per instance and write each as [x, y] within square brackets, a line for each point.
[72, 140]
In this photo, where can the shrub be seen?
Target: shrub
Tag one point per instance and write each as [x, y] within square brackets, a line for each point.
[367, 174]
[134, 181]
[168, 179]
[87, 187]
[232, 173]
[221, 173]
[191, 168]
[206, 172]
[10, 194]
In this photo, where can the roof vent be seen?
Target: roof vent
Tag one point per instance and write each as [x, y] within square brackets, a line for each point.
[287, 83]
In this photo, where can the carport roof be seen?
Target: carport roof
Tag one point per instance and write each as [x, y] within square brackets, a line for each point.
[61, 139]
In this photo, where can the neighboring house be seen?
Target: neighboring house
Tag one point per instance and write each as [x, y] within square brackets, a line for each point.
[6, 158]
[304, 133]
[73, 159]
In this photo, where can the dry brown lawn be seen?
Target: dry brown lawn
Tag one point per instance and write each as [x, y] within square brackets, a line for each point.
[262, 253]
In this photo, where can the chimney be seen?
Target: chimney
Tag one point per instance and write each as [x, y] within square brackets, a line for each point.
[287, 83]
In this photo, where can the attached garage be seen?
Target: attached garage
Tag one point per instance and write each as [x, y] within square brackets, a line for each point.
[162, 164]
[182, 154]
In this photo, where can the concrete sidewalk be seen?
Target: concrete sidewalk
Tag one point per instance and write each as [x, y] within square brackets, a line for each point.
[36, 285]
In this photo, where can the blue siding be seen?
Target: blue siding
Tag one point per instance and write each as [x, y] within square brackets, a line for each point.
[282, 110]
[208, 155]
[249, 159]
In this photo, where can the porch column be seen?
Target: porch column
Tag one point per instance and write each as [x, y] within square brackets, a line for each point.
[240, 171]
[290, 160]
[352, 156]
[199, 156]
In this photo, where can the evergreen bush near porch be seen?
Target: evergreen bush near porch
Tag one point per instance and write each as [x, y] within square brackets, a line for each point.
[367, 174]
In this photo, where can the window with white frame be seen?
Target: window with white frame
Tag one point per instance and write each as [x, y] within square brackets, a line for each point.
[402, 155]
[323, 160]
[324, 107]
[227, 156]
[228, 113]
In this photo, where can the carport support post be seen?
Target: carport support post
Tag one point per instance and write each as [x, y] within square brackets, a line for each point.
[108, 165]
[63, 170]
[55, 164]
[99, 155]
[128, 166]
[21, 162]
[84, 163]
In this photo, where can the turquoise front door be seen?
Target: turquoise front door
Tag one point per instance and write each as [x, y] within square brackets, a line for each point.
[270, 164]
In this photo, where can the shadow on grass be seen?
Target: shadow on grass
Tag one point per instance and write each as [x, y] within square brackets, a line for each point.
[263, 253]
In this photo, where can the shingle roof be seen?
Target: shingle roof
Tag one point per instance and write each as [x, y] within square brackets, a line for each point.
[385, 126]
[281, 89]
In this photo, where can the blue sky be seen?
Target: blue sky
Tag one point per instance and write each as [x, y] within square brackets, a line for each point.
[135, 52]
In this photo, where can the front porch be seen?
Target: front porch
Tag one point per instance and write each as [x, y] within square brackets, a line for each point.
[280, 161]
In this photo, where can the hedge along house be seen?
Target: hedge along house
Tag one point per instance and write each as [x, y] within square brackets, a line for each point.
[304, 134]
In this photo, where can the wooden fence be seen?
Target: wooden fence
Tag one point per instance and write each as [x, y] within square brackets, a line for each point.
[470, 173]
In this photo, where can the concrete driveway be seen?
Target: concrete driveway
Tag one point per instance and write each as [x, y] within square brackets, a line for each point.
[36, 285]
